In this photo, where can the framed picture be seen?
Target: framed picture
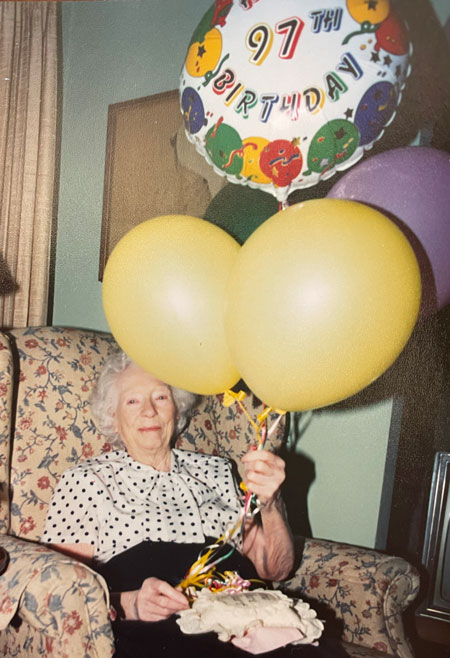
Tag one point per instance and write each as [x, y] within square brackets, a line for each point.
[434, 612]
[151, 168]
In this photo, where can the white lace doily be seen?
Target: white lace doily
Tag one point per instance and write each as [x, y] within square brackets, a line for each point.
[233, 614]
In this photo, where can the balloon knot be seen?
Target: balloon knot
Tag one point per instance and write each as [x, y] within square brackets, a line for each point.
[230, 397]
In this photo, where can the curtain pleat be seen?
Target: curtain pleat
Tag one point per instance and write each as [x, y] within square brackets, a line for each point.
[28, 126]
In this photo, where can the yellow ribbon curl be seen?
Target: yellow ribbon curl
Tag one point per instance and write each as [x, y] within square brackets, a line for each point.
[203, 570]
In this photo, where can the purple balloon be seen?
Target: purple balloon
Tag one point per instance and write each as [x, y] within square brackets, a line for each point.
[411, 185]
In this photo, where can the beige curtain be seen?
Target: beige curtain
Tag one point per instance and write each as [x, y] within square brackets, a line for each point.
[28, 110]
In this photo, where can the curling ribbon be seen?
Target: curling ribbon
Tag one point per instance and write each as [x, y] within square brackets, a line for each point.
[203, 570]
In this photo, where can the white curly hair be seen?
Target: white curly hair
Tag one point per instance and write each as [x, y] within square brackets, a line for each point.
[104, 399]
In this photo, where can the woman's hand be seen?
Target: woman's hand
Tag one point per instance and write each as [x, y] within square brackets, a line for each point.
[154, 601]
[267, 538]
[264, 473]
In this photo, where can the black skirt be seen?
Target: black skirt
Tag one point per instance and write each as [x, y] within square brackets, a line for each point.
[170, 562]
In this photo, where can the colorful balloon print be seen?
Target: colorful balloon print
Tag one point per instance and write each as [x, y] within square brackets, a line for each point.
[368, 11]
[374, 111]
[253, 146]
[204, 56]
[336, 141]
[193, 112]
[224, 147]
[281, 161]
[391, 36]
[281, 95]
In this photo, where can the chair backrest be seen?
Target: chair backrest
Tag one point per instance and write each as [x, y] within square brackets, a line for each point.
[53, 370]
[6, 391]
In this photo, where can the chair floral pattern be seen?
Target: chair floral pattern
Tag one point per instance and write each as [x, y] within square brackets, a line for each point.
[51, 605]
[366, 590]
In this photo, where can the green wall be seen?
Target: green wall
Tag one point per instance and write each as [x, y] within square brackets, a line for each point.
[117, 50]
[112, 51]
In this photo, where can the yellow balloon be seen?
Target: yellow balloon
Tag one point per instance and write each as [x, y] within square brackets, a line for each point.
[323, 297]
[164, 296]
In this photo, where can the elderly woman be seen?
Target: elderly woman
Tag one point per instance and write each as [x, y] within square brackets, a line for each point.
[142, 513]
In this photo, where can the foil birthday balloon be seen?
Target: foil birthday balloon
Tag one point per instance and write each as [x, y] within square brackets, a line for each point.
[279, 95]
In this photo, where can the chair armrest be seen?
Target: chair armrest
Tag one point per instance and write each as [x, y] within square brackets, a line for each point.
[57, 595]
[4, 559]
[366, 589]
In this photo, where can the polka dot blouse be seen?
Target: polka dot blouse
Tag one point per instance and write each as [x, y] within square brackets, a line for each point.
[114, 502]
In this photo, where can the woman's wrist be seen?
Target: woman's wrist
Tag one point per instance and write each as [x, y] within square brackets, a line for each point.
[272, 504]
[125, 604]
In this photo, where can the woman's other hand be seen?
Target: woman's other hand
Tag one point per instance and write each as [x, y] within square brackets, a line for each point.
[267, 538]
[154, 601]
[264, 473]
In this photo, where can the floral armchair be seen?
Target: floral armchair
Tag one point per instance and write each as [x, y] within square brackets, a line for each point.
[52, 605]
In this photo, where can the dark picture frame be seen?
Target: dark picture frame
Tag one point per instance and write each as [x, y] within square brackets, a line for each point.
[151, 168]
[436, 554]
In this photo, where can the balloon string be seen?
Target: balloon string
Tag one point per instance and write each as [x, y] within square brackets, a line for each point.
[203, 570]
[274, 425]
[230, 397]
[250, 419]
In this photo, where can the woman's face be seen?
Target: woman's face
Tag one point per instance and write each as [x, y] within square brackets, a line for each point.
[145, 416]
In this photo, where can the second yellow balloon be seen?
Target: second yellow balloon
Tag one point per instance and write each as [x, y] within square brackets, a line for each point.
[323, 298]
